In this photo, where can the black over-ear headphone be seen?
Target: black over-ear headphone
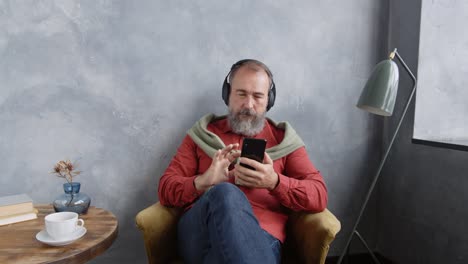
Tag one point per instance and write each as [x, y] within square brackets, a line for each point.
[227, 86]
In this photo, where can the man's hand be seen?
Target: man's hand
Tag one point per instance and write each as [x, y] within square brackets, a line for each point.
[218, 170]
[264, 176]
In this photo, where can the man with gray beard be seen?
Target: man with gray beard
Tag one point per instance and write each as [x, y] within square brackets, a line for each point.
[234, 214]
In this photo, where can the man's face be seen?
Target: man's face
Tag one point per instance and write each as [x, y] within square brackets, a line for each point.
[248, 101]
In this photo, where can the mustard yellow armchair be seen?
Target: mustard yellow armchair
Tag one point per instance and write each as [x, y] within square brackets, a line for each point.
[308, 235]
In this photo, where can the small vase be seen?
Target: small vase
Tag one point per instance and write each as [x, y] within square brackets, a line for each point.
[72, 200]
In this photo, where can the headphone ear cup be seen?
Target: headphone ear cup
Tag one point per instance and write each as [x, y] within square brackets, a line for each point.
[225, 91]
[271, 96]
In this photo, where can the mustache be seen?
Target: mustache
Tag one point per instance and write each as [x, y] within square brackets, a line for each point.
[247, 112]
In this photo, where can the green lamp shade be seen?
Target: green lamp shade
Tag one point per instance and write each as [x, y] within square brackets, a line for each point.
[379, 94]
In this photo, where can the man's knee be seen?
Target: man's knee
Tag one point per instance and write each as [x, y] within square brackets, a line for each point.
[228, 195]
[225, 189]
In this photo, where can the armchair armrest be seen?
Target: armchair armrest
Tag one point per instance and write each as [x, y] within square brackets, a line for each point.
[159, 226]
[312, 233]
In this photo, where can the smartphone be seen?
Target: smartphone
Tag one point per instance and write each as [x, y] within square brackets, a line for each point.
[253, 148]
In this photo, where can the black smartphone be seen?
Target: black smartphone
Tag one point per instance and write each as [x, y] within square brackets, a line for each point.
[253, 148]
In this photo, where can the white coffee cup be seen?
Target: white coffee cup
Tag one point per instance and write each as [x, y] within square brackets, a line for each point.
[62, 225]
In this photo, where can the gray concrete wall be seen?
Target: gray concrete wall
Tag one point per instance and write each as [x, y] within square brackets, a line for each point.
[422, 194]
[114, 85]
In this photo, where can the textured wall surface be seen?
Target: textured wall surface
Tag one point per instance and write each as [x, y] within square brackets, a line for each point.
[114, 85]
[422, 195]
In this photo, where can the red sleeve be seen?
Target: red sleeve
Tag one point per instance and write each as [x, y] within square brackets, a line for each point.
[301, 186]
[176, 188]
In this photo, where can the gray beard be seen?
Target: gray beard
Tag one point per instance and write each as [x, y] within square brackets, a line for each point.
[248, 127]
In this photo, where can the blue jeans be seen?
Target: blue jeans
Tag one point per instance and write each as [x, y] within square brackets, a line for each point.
[222, 228]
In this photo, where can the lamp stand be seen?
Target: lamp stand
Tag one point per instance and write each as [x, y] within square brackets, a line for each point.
[382, 163]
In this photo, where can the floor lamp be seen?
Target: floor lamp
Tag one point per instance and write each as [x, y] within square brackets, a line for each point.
[378, 97]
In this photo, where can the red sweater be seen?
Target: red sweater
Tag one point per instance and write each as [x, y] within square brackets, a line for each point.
[300, 188]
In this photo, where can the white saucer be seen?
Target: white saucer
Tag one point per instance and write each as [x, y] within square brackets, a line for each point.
[44, 237]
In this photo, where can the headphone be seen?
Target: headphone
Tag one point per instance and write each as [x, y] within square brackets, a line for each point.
[227, 86]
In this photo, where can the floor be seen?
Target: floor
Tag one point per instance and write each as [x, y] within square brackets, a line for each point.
[363, 258]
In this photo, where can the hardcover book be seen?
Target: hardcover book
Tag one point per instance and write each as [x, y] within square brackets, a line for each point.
[5, 220]
[15, 204]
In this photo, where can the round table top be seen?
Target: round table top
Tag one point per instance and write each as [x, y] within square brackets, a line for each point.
[18, 243]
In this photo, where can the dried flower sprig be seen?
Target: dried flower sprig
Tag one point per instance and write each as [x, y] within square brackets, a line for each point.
[65, 169]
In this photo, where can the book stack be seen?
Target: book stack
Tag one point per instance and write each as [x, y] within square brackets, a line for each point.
[16, 208]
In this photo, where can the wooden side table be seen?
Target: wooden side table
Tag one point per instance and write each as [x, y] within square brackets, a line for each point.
[18, 242]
